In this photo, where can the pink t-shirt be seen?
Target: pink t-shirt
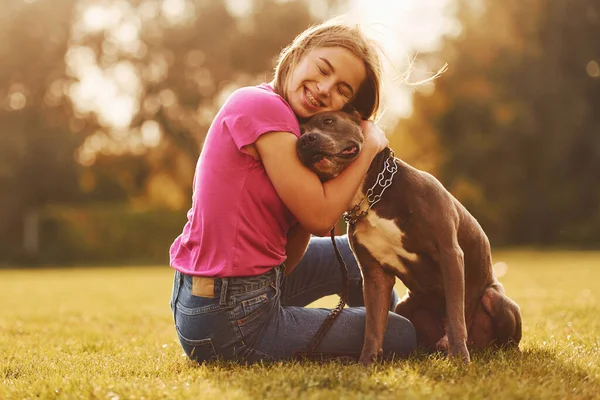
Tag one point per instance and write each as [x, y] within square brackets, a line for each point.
[237, 225]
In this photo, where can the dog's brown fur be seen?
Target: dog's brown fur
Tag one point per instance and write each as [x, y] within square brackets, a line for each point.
[423, 235]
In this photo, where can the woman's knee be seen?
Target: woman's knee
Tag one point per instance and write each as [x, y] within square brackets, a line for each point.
[400, 337]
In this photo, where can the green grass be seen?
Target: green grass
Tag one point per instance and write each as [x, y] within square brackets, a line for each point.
[106, 333]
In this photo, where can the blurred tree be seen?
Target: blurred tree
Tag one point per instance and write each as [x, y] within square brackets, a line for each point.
[36, 144]
[106, 100]
[514, 122]
[187, 56]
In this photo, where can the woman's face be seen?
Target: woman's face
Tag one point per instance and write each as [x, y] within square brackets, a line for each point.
[325, 79]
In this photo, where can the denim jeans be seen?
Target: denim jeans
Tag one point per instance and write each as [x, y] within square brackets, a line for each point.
[264, 318]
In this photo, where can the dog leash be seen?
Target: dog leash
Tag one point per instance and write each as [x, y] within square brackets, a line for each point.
[326, 325]
[351, 217]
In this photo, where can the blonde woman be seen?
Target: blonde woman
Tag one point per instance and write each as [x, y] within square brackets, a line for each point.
[246, 263]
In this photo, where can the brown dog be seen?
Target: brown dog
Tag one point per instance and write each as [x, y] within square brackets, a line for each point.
[406, 224]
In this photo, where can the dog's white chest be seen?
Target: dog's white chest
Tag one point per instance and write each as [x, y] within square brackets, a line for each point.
[383, 239]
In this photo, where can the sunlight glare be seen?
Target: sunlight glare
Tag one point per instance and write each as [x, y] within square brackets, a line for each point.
[150, 133]
[119, 111]
[173, 9]
[167, 98]
[114, 93]
[93, 88]
[125, 75]
[593, 69]
[17, 101]
[127, 32]
[78, 59]
[500, 269]
[239, 8]
[95, 18]
[148, 10]
[401, 28]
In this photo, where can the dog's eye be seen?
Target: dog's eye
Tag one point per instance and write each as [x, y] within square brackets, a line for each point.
[328, 121]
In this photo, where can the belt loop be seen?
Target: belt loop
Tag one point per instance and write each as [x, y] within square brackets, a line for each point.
[279, 275]
[177, 283]
[223, 299]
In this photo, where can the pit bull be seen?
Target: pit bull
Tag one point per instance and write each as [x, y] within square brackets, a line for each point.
[404, 223]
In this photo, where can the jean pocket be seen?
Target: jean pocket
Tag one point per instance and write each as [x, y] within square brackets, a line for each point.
[255, 306]
[252, 311]
[199, 350]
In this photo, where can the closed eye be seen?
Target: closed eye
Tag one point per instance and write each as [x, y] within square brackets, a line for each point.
[343, 90]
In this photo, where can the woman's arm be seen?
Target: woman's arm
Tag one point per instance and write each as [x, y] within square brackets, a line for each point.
[316, 205]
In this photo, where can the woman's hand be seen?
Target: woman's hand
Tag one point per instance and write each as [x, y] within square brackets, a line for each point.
[374, 136]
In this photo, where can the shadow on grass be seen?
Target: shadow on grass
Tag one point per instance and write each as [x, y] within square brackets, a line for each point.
[533, 373]
[533, 365]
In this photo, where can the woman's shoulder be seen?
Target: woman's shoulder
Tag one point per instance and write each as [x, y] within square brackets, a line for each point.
[264, 90]
[252, 111]
[260, 98]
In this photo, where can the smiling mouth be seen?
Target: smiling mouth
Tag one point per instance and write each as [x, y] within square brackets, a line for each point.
[311, 99]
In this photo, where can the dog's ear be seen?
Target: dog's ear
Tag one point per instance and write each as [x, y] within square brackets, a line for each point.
[353, 113]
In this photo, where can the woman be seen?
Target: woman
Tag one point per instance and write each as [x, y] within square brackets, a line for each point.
[255, 207]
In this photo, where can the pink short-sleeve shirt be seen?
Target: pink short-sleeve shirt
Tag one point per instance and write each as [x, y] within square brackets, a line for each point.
[237, 225]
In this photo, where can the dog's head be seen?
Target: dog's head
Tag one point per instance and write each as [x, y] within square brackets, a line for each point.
[329, 142]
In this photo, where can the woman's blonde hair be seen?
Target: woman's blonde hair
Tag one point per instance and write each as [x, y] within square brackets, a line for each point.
[334, 33]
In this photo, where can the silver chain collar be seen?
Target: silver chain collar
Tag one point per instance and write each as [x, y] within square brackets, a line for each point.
[390, 167]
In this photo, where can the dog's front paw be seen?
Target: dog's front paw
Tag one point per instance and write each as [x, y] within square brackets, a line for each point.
[367, 357]
[459, 351]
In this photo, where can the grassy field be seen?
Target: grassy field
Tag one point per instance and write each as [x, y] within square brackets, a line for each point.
[106, 333]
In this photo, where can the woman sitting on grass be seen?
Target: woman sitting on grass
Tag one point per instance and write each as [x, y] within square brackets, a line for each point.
[246, 265]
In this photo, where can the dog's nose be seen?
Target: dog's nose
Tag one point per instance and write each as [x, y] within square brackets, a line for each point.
[308, 139]
[311, 137]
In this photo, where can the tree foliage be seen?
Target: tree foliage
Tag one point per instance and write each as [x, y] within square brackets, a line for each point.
[39, 129]
[515, 124]
[186, 65]
[512, 129]
[168, 64]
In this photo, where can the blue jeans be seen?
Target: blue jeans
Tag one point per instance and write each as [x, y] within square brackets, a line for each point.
[264, 318]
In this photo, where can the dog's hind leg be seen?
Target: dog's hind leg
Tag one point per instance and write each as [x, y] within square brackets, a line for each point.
[428, 325]
[505, 315]
[481, 331]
